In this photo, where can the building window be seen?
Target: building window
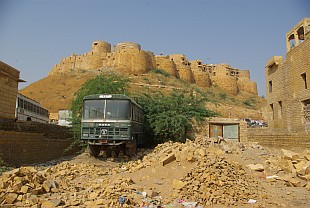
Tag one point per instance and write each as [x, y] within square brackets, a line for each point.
[270, 86]
[306, 110]
[304, 78]
[280, 109]
[272, 111]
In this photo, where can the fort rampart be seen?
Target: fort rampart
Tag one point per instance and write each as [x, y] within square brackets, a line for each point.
[129, 58]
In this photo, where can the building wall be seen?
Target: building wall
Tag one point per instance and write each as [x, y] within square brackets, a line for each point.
[288, 90]
[9, 78]
[268, 137]
[31, 142]
[200, 73]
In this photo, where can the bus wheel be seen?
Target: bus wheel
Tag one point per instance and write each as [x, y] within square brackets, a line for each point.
[94, 150]
[131, 148]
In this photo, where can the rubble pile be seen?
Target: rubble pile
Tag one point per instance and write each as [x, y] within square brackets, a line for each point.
[211, 179]
[216, 181]
[291, 167]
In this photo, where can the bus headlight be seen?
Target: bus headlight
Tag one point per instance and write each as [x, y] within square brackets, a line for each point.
[85, 135]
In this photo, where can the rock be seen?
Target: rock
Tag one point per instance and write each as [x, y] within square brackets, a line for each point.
[289, 155]
[256, 167]
[285, 165]
[168, 159]
[293, 181]
[225, 147]
[305, 177]
[177, 184]
[52, 203]
[10, 198]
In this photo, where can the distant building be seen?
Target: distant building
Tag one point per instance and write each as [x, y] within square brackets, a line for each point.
[288, 83]
[9, 79]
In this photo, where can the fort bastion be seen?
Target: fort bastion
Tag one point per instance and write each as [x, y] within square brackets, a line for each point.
[129, 58]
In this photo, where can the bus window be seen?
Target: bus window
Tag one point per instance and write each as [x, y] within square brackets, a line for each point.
[118, 109]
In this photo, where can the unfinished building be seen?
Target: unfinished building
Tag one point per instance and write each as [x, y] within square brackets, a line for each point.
[287, 83]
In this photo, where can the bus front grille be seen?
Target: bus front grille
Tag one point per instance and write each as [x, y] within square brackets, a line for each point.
[105, 133]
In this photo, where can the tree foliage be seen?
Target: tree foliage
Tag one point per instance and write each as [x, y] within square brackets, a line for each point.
[102, 84]
[169, 117]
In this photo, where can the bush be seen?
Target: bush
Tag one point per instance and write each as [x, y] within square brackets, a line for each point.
[160, 71]
[169, 117]
[223, 95]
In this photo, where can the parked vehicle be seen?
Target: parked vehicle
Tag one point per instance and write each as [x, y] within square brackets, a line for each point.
[112, 122]
[64, 117]
[28, 109]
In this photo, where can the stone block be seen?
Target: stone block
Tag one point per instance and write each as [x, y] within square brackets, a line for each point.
[10, 198]
[177, 184]
[256, 167]
[168, 159]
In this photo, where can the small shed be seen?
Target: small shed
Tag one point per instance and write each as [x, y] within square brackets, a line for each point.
[234, 129]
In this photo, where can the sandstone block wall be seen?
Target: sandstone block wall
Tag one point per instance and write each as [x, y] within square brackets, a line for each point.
[9, 78]
[287, 90]
[268, 137]
[183, 67]
[20, 148]
[31, 142]
[200, 73]
[166, 64]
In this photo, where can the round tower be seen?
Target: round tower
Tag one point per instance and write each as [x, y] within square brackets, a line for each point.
[101, 47]
[127, 45]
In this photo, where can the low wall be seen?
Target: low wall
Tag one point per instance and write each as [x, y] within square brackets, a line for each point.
[266, 137]
[31, 142]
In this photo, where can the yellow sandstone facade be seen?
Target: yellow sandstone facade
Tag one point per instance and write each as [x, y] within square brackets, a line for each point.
[129, 58]
[9, 78]
[288, 83]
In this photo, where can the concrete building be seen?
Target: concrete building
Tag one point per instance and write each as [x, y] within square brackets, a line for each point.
[9, 78]
[288, 83]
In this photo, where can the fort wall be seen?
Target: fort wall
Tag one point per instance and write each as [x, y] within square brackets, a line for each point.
[166, 64]
[128, 58]
[183, 67]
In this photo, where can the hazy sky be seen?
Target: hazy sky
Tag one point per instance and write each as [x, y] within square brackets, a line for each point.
[36, 34]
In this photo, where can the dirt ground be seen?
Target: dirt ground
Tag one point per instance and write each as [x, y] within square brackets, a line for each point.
[158, 175]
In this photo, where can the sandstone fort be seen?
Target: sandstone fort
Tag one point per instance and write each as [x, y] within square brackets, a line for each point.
[129, 58]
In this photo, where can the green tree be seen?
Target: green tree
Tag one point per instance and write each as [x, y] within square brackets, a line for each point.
[102, 84]
[169, 117]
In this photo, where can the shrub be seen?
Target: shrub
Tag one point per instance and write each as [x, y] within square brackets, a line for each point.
[223, 95]
[160, 71]
[169, 117]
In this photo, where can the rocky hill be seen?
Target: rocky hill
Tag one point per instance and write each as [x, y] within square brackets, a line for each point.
[56, 92]
[231, 88]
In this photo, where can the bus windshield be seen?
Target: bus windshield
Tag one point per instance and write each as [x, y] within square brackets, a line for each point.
[106, 109]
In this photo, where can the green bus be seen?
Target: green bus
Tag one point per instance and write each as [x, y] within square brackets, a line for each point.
[112, 122]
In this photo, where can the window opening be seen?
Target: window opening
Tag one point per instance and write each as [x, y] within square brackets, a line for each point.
[271, 107]
[280, 109]
[270, 86]
[304, 77]
[306, 110]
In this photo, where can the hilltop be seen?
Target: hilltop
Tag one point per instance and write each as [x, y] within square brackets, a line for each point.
[231, 90]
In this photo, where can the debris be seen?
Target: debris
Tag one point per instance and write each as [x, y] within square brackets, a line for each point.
[256, 167]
